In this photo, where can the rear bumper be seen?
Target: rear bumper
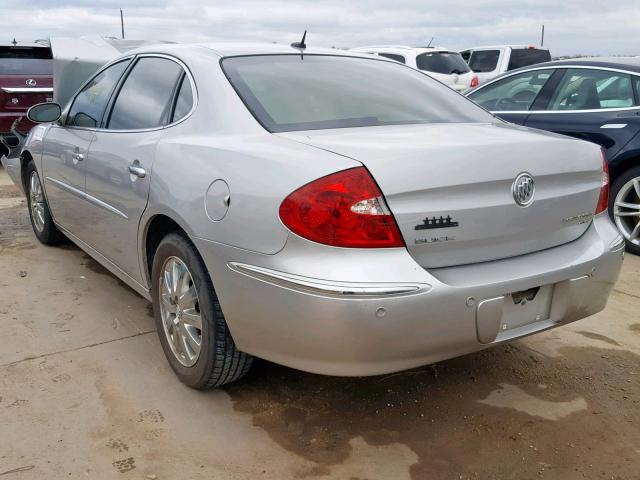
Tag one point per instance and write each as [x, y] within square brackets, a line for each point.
[353, 312]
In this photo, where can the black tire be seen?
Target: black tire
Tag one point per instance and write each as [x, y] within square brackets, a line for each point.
[615, 189]
[49, 233]
[219, 361]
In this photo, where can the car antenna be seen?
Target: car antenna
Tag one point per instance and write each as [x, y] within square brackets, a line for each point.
[301, 45]
[14, 42]
[430, 41]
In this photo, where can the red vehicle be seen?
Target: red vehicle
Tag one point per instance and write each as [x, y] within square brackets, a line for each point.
[26, 78]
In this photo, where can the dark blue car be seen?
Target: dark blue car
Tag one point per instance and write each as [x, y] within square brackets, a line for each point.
[593, 99]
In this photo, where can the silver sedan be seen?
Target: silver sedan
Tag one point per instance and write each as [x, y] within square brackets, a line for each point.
[327, 210]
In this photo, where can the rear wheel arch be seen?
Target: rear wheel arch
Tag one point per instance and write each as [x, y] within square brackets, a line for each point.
[158, 227]
[25, 159]
[621, 165]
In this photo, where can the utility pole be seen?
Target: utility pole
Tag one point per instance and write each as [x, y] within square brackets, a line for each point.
[541, 40]
[122, 23]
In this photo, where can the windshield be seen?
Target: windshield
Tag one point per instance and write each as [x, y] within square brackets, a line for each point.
[25, 61]
[287, 93]
[442, 62]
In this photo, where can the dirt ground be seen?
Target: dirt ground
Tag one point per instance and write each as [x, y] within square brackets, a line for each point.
[85, 392]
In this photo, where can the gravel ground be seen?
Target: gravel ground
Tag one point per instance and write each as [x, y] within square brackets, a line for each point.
[85, 392]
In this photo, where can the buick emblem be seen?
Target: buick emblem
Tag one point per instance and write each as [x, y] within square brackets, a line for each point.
[31, 82]
[523, 189]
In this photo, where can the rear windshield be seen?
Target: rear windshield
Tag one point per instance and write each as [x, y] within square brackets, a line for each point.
[484, 60]
[25, 61]
[523, 57]
[442, 62]
[288, 93]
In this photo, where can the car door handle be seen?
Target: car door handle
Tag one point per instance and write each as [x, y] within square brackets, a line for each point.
[78, 157]
[137, 170]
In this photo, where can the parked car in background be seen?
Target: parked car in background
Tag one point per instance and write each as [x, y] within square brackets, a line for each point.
[592, 99]
[489, 62]
[439, 63]
[26, 78]
[330, 211]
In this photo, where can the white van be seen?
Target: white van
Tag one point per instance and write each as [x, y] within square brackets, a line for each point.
[440, 63]
[489, 62]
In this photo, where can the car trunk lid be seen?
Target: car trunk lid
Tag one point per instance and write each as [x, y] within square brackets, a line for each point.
[449, 186]
[19, 92]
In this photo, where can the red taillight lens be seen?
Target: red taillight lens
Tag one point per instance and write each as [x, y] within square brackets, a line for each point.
[344, 209]
[603, 200]
[474, 81]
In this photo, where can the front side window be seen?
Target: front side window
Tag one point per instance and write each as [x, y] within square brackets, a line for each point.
[144, 101]
[466, 55]
[514, 93]
[446, 63]
[584, 89]
[89, 105]
[484, 60]
[287, 93]
[393, 56]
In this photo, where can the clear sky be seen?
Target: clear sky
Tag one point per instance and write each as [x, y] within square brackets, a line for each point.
[572, 26]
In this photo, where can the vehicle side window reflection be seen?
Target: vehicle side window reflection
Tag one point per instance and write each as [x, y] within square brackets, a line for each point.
[89, 105]
[514, 93]
[144, 101]
[184, 102]
[393, 56]
[584, 89]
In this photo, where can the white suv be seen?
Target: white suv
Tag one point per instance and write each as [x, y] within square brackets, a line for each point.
[440, 63]
[489, 62]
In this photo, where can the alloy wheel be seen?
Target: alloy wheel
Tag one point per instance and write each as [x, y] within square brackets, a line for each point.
[36, 202]
[180, 311]
[626, 210]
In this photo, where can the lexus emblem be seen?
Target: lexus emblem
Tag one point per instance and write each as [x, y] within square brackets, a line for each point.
[31, 82]
[523, 189]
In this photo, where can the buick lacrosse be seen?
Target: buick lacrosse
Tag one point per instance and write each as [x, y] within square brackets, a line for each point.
[331, 211]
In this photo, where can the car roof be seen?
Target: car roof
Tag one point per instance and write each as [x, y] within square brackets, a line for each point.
[244, 49]
[37, 43]
[495, 47]
[401, 47]
[631, 64]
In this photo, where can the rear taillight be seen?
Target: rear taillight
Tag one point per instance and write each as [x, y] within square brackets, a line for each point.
[474, 81]
[603, 199]
[344, 209]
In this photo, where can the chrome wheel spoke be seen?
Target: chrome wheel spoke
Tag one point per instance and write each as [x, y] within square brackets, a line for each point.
[192, 318]
[188, 298]
[626, 210]
[179, 311]
[36, 202]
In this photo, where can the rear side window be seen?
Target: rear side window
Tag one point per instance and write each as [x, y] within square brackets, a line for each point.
[89, 105]
[393, 56]
[446, 63]
[514, 93]
[484, 60]
[523, 57]
[25, 61]
[584, 89]
[184, 100]
[144, 101]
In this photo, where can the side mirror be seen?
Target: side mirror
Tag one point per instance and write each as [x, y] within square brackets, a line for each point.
[44, 112]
